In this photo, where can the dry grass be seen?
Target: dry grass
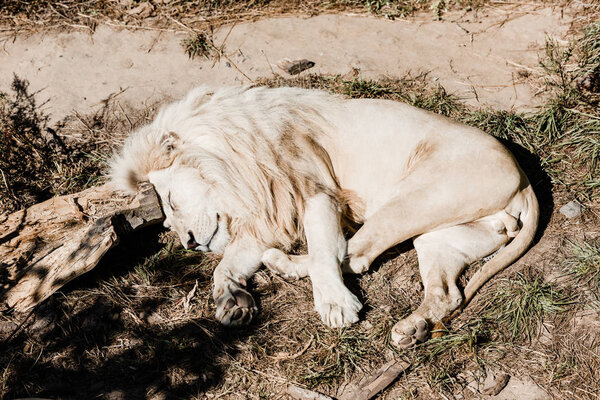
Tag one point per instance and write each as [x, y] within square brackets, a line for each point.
[126, 327]
[35, 161]
[127, 323]
[38, 161]
[201, 14]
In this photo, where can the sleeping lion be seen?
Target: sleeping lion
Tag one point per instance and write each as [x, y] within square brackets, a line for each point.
[247, 172]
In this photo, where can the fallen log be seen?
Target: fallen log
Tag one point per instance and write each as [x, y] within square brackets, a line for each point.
[49, 244]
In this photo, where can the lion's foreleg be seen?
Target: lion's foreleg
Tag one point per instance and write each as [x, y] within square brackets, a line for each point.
[326, 250]
[241, 259]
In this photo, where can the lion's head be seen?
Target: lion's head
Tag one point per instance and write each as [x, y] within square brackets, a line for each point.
[192, 208]
[224, 166]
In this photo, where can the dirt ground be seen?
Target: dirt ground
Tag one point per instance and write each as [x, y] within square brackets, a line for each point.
[487, 57]
[123, 332]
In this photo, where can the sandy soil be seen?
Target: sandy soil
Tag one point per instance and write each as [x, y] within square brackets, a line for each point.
[486, 57]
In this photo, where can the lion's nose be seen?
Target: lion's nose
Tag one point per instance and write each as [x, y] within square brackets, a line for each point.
[191, 244]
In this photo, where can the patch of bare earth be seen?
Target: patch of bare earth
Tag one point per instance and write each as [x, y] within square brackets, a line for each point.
[141, 324]
[487, 57]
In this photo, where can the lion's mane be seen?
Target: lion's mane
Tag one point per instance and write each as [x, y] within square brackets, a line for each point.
[260, 152]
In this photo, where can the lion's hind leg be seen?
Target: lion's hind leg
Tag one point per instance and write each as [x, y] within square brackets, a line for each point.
[442, 256]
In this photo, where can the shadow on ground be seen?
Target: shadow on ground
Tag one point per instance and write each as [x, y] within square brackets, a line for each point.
[90, 342]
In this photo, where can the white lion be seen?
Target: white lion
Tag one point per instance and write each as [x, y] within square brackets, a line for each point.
[246, 172]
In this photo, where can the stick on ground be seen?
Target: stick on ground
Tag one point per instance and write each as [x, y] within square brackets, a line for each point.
[299, 393]
[376, 382]
[49, 244]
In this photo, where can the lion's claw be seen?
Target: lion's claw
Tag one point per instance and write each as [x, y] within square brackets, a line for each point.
[235, 307]
[336, 316]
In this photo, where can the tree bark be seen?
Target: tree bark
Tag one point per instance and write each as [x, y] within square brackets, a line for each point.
[49, 244]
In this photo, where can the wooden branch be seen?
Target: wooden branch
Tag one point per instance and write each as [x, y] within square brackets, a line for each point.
[299, 393]
[376, 382]
[47, 245]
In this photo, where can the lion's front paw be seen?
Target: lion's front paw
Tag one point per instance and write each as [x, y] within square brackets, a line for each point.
[409, 331]
[337, 307]
[235, 307]
[279, 262]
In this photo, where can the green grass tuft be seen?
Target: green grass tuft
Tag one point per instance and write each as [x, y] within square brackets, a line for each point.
[589, 53]
[442, 360]
[583, 262]
[361, 88]
[199, 44]
[465, 338]
[346, 350]
[393, 8]
[522, 302]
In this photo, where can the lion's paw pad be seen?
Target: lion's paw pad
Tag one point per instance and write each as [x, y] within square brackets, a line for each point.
[406, 334]
[235, 308]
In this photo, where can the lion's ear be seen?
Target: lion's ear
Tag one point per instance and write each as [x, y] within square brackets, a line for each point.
[198, 96]
[169, 141]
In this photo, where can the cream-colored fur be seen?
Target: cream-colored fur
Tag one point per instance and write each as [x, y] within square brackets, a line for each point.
[248, 172]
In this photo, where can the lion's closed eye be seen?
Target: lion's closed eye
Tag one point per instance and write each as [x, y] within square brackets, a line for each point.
[170, 203]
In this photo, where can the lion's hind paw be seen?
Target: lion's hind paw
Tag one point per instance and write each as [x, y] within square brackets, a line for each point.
[410, 331]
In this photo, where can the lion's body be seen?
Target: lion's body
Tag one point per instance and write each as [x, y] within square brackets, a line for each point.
[381, 149]
[288, 164]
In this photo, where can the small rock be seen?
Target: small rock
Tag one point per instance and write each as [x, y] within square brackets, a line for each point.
[571, 210]
[227, 64]
[115, 395]
[294, 67]
[589, 82]
[126, 63]
[499, 383]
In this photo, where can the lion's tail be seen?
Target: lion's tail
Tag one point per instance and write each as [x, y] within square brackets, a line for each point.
[529, 217]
